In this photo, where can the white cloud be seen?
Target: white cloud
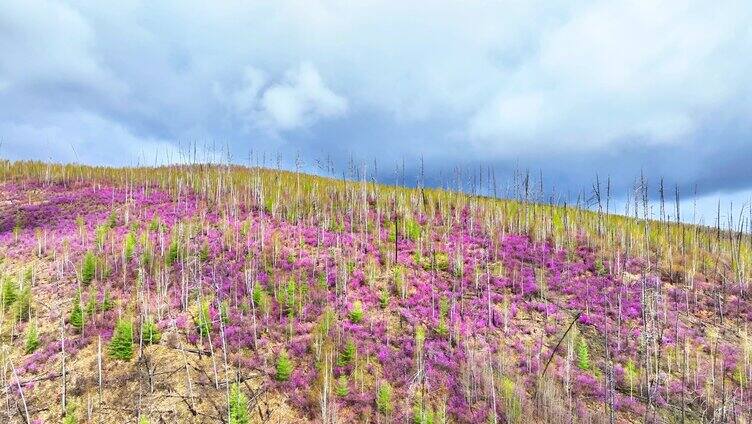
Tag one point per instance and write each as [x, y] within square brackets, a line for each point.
[299, 99]
[46, 42]
[613, 71]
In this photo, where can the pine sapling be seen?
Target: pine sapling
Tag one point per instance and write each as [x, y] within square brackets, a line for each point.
[583, 354]
[203, 319]
[129, 245]
[9, 293]
[107, 302]
[121, 344]
[356, 313]
[238, 406]
[88, 268]
[347, 355]
[442, 329]
[149, 332]
[32, 338]
[342, 388]
[284, 367]
[70, 414]
[384, 298]
[172, 253]
[76, 318]
[22, 306]
[384, 398]
[513, 406]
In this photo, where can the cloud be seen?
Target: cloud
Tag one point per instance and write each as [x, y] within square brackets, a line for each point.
[569, 88]
[299, 100]
[47, 44]
[78, 136]
[616, 70]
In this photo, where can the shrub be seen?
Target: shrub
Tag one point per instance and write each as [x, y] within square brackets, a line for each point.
[22, 307]
[149, 332]
[70, 414]
[129, 245]
[203, 253]
[422, 415]
[412, 229]
[223, 312]
[88, 268]
[384, 298]
[76, 318]
[121, 344]
[384, 398]
[348, 354]
[442, 261]
[284, 367]
[32, 338]
[631, 374]
[238, 406]
[100, 235]
[342, 388]
[512, 404]
[583, 354]
[9, 292]
[356, 313]
[203, 320]
[107, 303]
[442, 328]
[600, 268]
[172, 252]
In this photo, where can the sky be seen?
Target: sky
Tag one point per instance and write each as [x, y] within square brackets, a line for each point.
[567, 90]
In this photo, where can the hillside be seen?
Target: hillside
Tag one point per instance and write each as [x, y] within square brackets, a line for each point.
[227, 294]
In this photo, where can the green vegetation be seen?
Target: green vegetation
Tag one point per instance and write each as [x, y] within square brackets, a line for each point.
[239, 413]
[342, 389]
[347, 355]
[22, 306]
[284, 367]
[88, 268]
[583, 354]
[9, 292]
[356, 313]
[121, 344]
[203, 319]
[32, 338]
[384, 398]
[149, 332]
[76, 318]
[512, 404]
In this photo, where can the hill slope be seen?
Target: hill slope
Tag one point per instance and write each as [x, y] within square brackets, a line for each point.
[216, 294]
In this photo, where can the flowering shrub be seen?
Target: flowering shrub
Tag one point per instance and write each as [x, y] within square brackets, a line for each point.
[453, 314]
